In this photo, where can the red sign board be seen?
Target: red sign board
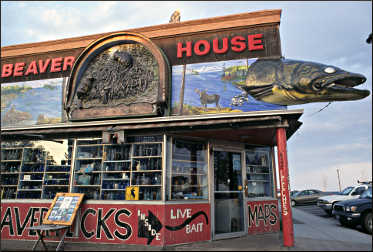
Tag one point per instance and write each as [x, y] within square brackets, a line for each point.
[263, 217]
[36, 67]
[154, 225]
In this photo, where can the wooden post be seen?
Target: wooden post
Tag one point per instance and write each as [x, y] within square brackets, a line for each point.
[182, 88]
[287, 220]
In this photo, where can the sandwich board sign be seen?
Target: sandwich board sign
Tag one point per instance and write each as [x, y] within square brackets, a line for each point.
[63, 209]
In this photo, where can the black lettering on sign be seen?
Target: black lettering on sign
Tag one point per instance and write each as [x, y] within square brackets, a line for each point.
[123, 225]
[87, 234]
[33, 220]
[43, 212]
[20, 227]
[7, 221]
[148, 226]
[258, 214]
[253, 215]
[101, 223]
[273, 213]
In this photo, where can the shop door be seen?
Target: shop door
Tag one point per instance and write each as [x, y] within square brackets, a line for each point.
[228, 191]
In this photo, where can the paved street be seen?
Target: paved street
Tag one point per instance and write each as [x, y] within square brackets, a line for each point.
[327, 228]
[317, 211]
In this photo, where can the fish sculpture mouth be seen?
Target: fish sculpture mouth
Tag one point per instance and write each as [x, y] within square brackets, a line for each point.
[342, 84]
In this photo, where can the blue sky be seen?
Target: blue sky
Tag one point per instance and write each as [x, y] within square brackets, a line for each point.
[338, 137]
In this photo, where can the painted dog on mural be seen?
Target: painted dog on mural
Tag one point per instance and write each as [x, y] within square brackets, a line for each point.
[208, 99]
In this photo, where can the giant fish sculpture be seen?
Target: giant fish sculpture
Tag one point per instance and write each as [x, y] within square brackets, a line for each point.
[291, 82]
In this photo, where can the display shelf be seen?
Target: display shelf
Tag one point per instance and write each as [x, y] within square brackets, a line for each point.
[8, 192]
[146, 171]
[189, 161]
[117, 166]
[52, 190]
[9, 178]
[258, 172]
[27, 190]
[113, 190]
[113, 194]
[188, 175]
[146, 163]
[29, 194]
[56, 185]
[56, 172]
[91, 192]
[34, 165]
[87, 185]
[117, 161]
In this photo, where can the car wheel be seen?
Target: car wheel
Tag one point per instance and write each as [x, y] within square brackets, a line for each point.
[293, 203]
[367, 222]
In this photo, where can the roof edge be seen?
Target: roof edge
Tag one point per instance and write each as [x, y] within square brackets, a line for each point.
[162, 30]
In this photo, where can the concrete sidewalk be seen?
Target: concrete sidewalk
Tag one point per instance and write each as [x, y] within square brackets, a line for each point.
[311, 233]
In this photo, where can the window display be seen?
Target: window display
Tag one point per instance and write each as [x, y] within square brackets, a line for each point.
[104, 171]
[35, 169]
[188, 172]
[259, 172]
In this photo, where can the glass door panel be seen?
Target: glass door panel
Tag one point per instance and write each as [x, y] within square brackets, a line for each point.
[228, 193]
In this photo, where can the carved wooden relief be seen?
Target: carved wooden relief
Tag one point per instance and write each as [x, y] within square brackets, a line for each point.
[117, 76]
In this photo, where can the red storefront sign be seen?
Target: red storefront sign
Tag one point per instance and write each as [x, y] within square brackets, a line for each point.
[116, 223]
[187, 223]
[263, 217]
[237, 44]
[37, 67]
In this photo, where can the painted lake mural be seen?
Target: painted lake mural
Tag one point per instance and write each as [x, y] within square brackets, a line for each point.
[214, 87]
[31, 102]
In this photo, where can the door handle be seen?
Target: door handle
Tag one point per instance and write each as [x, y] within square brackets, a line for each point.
[246, 188]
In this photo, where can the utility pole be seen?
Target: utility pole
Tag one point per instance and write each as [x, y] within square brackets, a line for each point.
[339, 181]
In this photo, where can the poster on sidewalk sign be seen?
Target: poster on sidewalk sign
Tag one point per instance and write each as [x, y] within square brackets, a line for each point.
[63, 208]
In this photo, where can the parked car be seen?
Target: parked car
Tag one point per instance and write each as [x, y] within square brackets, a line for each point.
[356, 211]
[350, 192]
[306, 197]
[293, 192]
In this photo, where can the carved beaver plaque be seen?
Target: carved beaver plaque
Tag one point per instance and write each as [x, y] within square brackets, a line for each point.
[118, 76]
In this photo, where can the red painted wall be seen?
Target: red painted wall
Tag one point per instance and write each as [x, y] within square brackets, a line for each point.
[263, 216]
[154, 225]
[187, 223]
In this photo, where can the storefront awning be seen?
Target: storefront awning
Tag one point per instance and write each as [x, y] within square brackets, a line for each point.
[256, 127]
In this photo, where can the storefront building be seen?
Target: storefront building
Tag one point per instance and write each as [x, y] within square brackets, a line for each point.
[154, 125]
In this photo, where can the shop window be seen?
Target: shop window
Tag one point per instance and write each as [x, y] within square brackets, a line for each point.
[187, 170]
[35, 169]
[259, 172]
[110, 171]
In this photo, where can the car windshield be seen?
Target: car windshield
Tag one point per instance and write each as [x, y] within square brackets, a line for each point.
[293, 193]
[367, 194]
[347, 190]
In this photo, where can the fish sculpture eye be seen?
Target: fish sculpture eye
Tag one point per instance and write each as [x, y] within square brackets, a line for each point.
[329, 70]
